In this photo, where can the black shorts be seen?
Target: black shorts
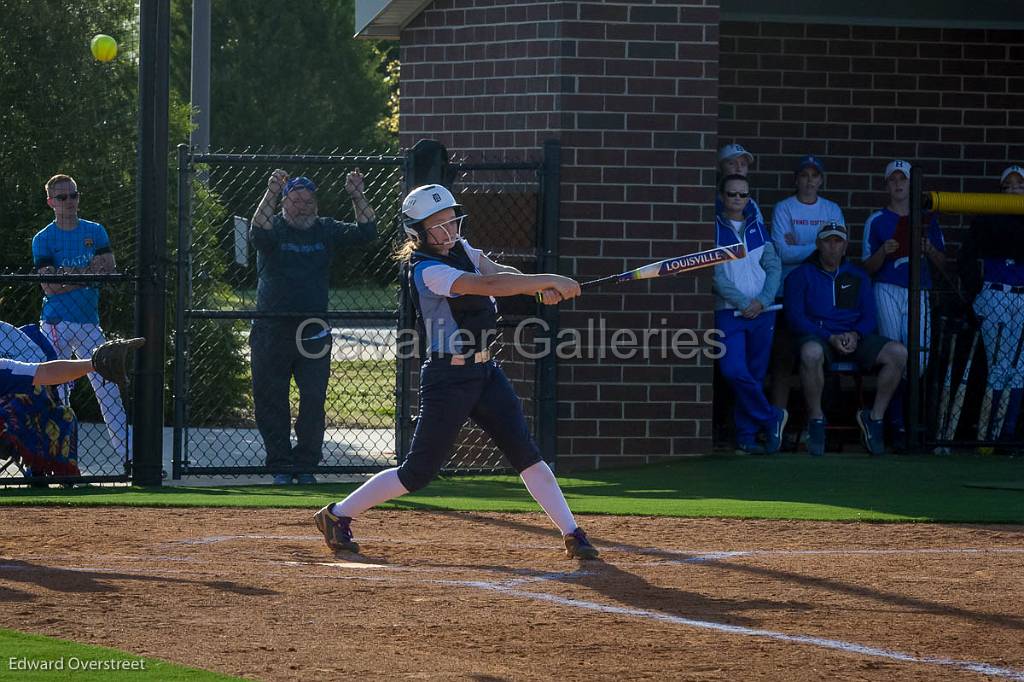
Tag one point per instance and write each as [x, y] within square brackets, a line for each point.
[866, 355]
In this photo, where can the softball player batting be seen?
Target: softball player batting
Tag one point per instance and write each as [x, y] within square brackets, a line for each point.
[452, 286]
[886, 256]
[70, 316]
[994, 244]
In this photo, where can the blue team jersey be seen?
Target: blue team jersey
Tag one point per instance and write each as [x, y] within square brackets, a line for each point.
[16, 377]
[884, 225]
[74, 248]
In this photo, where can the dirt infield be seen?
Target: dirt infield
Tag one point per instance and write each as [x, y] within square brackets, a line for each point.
[489, 596]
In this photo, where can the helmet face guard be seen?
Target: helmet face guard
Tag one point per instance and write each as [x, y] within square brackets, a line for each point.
[425, 201]
[452, 236]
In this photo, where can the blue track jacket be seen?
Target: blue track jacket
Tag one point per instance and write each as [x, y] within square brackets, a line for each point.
[827, 303]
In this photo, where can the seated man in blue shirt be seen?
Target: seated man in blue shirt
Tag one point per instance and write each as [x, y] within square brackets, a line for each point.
[831, 309]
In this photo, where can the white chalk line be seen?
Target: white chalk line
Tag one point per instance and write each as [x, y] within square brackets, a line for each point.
[509, 587]
[822, 642]
[696, 557]
[686, 556]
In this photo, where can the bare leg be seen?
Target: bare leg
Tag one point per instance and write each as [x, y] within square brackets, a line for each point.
[893, 359]
[812, 377]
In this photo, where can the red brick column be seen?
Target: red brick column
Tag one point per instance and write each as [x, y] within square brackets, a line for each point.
[631, 90]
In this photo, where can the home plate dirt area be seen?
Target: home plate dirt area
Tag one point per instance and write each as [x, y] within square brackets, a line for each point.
[439, 595]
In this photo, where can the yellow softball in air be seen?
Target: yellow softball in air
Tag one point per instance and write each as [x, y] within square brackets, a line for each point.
[104, 48]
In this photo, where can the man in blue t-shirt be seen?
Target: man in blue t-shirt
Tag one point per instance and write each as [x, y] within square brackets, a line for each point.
[293, 257]
[70, 316]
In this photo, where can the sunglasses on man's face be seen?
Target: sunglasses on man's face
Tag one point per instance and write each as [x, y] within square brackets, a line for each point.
[740, 195]
[65, 197]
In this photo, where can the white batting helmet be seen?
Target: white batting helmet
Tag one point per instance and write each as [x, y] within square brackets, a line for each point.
[424, 201]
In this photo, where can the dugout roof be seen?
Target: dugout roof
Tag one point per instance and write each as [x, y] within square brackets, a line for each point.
[385, 19]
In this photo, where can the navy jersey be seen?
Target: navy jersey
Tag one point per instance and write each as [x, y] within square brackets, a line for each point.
[294, 264]
[452, 323]
[16, 377]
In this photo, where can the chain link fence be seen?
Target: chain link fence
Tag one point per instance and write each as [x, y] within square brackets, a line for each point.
[67, 270]
[218, 304]
[221, 315]
[502, 201]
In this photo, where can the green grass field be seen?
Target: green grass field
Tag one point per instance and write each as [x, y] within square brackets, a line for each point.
[360, 394]
[362, 297]
[32, 657]
[956, 489]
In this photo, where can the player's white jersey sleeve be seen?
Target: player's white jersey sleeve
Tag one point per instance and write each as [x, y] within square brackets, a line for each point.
[440, 278]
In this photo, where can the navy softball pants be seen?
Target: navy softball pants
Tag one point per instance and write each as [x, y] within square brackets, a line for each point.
[449, 394]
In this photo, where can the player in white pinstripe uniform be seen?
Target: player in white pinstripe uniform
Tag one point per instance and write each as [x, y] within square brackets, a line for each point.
[994, 246]
[70, 315]
[886, 257]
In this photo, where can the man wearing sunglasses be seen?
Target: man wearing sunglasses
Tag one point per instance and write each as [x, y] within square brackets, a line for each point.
[70, 316]
[294, 248]
[744, 289]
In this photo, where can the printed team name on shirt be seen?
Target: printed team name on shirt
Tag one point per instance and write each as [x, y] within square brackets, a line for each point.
[807, 221]
[302, 248]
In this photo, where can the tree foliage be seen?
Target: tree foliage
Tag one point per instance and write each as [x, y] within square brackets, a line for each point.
[289, 76]
[62, 111]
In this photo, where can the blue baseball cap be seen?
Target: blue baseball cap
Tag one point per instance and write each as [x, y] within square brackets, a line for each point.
[810, 161]
[301, 182]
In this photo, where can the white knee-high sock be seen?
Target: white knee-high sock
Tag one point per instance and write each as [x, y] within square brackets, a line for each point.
[541, 483]
[381, 488]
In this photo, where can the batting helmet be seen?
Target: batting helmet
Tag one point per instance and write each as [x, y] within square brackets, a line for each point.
[422, 202]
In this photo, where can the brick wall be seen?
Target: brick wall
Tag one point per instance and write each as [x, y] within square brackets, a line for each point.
[630, 89]
[859, 96]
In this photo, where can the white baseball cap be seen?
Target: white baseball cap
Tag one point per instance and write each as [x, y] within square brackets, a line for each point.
[731, 151]
[898, 165]
[427, 200]
[833, 229]
[1011, 170]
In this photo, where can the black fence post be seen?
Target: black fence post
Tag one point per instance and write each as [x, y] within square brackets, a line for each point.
[183, 279]
[547, 261]
[151, 210]
[915, 430]
[426, 163]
